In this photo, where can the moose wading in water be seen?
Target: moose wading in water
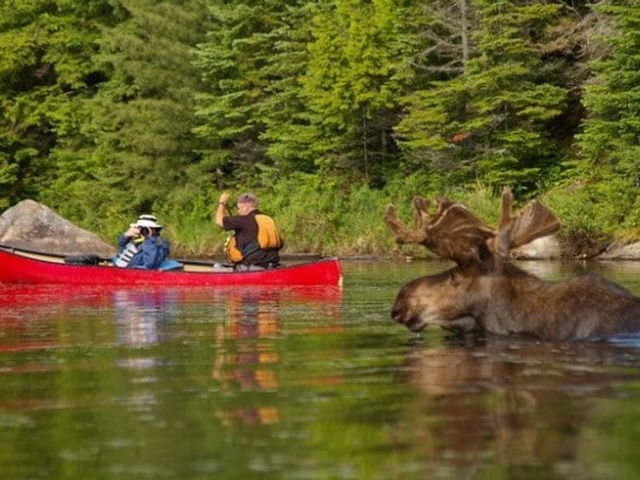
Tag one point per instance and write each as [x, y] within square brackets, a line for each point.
[255, 242]
[485, 292]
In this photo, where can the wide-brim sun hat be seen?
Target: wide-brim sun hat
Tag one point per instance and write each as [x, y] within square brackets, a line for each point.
[147, 223]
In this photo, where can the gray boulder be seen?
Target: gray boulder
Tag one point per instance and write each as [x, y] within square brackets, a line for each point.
[621, 251]
[33, 226]
[543, 248]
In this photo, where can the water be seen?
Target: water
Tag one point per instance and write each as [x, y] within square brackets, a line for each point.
[313, 383]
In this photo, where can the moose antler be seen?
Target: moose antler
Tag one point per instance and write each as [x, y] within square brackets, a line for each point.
[534, 221]
[421, 219]
[453, 232]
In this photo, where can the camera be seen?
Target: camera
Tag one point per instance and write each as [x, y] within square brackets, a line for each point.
[144, 231]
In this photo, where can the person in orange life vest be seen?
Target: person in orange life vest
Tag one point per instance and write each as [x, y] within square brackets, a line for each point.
[141, 245]
[256, 241]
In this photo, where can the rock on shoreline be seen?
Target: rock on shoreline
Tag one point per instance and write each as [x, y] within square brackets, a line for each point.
[33, 226]
[551, 247]
[621, 251]
[544, 248]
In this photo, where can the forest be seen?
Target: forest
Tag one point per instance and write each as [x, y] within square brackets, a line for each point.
[327, 109]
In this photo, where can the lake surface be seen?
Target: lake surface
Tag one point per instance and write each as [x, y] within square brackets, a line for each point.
[312, 383]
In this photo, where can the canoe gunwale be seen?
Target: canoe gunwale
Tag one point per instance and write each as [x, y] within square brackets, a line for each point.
[18, 265]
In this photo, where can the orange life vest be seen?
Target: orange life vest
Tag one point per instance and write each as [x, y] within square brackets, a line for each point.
[268, 238]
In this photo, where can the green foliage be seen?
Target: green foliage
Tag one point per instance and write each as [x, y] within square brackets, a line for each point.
[592, 213]
[318, 215]
[248, 63]
[328, 110]
[357, 70]
[307, 209]
[288, 132]
[610, 140]
[131, 143]
[191, 227]
[489, 121]
[303, 87]
[613, 98]
[46, 70]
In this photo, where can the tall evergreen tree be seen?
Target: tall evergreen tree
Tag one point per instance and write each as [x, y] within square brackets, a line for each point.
[46, 69]
[136, 146]
[250, 63]
[304, 85]
[611, 136]
[358, 68]
[286, 118]
[430, 131]
[490, 121]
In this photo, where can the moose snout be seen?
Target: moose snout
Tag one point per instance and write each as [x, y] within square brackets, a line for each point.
[397, 312]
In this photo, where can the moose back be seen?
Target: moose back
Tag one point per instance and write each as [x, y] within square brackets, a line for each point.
[485, 292]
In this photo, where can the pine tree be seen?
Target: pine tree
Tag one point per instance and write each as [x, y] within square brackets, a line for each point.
[250, 63]
[611, 136]
[357, 70]
[489, 122]
[46, 70]
[286, 119]
[134, 148]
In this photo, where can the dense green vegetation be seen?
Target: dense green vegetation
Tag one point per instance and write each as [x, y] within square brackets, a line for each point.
[327, 109]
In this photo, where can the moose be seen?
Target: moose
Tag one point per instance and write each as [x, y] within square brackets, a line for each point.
[485, 292]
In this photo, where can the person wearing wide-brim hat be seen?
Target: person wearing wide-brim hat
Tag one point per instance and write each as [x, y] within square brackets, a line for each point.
[141, 246]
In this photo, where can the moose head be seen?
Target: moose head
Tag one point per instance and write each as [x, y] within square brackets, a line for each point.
[486, 292]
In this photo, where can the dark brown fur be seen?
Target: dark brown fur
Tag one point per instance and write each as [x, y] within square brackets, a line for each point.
[485, 292]
[515, 302]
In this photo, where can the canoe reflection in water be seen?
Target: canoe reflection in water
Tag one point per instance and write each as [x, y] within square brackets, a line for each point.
[506, 402]
[246, 342]
[140, 314]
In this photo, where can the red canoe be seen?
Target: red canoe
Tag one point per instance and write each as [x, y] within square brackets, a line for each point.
[23, 266]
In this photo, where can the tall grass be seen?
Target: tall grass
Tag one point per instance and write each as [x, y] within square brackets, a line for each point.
[191, 229]
[318, 215]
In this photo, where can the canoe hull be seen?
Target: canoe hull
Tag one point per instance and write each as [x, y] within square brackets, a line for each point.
[15, 268]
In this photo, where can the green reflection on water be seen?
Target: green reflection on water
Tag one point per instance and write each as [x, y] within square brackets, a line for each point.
[248, 383]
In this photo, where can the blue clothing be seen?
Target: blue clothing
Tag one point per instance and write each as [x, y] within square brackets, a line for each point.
[123, 241]
[151, 252]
